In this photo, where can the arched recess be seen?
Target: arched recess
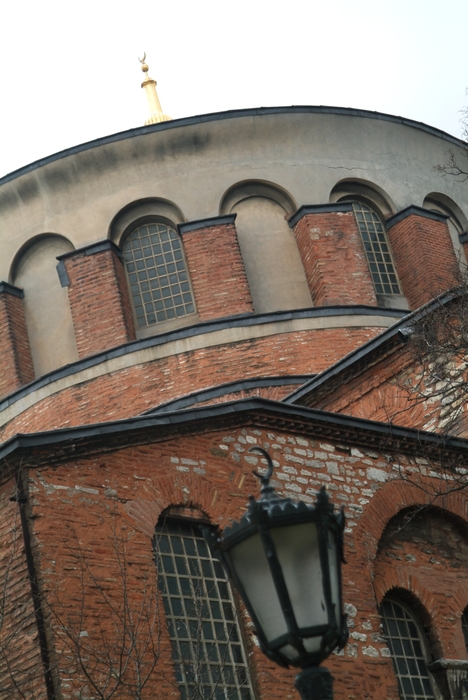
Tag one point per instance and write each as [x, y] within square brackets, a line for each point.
[47, 310]
[420, 580]
[401, 495]
[424, 551]
[363, 190]
[140, 212]
[272, 261]
[457, 221]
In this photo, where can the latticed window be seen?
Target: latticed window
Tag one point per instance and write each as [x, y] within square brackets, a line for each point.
[377, 249]
[207, 648]
[408, 651]
[157, 273]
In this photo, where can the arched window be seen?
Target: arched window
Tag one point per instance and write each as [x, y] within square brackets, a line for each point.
[408, 649]
[379, 256]
[157, 274]
[207, 648]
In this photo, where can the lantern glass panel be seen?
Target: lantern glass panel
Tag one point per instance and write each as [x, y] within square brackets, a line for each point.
[297, 547]
[291, 652]
[312, 644]
[252, 568]
[334, 568]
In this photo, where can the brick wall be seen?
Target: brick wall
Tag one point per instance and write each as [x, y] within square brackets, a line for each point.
[16, 367]
[150, 384]
[78, 508]
[216, 268]
[20, 659]
[395, 388]
[416, 547]
[360, 393]
[333, 255]
[99, 299]
[423, 253]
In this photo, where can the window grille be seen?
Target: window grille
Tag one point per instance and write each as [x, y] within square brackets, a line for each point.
[208, 653]
[377, 249]
[157, 274]
[407, 648]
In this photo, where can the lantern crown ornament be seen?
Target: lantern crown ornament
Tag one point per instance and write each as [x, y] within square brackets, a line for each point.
[284, 557]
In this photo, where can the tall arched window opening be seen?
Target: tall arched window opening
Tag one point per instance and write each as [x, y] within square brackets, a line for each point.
[207, 647]
[157, 274]
[408, 649]
[377, 248]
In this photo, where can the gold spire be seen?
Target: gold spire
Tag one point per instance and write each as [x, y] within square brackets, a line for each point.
[156, 113]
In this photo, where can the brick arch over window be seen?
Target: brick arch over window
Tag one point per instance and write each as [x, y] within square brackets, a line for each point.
[186, 490]
[273, 265]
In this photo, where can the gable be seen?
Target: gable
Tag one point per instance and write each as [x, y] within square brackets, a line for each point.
[413, 375]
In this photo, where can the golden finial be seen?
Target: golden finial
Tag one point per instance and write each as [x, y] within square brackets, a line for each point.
[149, 85]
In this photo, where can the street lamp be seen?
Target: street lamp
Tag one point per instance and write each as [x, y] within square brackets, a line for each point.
[284, 558]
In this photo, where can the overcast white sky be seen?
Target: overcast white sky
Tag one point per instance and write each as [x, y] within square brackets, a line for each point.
[70, 71]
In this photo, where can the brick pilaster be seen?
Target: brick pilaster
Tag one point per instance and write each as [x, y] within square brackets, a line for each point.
[423, 251]
[99, 298]
[333, 255]
[16, 366]
[216, 267]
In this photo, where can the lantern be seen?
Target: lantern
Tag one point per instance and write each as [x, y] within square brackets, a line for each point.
[284, 558]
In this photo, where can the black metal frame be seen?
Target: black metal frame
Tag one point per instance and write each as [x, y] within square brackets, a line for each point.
[271, 511]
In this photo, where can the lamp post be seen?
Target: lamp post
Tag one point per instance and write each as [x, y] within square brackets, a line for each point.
[284, 558]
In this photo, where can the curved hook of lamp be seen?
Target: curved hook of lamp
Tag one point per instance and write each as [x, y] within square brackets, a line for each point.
[264, 478]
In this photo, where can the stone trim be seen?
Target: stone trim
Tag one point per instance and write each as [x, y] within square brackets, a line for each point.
[222, 389]
[61, 444]
[414, 210]
[206, 223]
[305, 209]
[7, 288]
[92, 249]
[202, 336]
[231, 114]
